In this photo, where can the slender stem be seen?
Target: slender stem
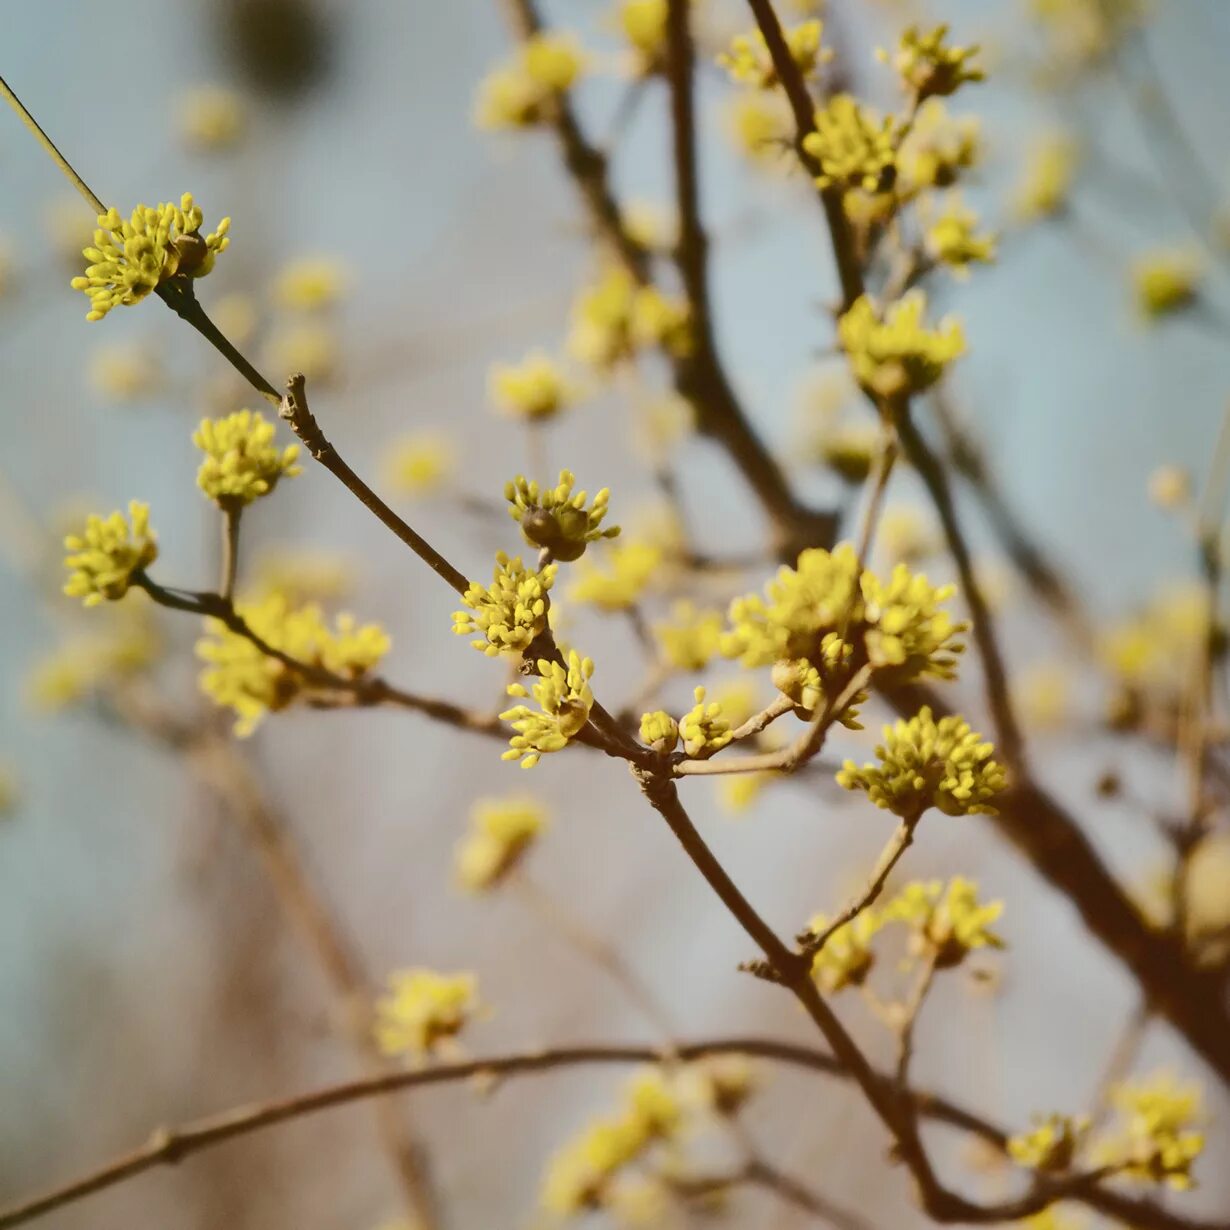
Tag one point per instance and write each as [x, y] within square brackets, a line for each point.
[52, 150]
[890, 856]
[230, 551]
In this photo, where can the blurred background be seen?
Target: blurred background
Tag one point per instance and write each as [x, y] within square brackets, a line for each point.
[147, 973]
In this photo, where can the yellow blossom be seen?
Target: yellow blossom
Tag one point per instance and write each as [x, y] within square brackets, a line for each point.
[1165, 281]
[1051, 1145]
[946, 920]
[555, 519]
[421, 463]
[847, 956]
[659, 731]
[564, 700]
[854, 147]
[1159, 1140]
[898, 355]
[501, 832]
[952, 240]
[1170, 487]
[761, 127]
[125, 373]
[310, 347]
[211, 117]
[510, 614]
[651, 226]
[704, 728]
[518, 94]
[924, 763]
[643, 24]
[533, 390]
[310, 284]
[129, 259]
[615, 317]
[84, 666]
[241, 461]
[906, 535]
[633, 567]
[104, 557]
[1046, 180]
[235, 315]
[691, 638]
[936, 150]
[661, 320]
[421, 1008]
[303, 574]
[661, 425]
[737, 792]
[240, 676]
[908, 633]
[748, 61]
[928, 68]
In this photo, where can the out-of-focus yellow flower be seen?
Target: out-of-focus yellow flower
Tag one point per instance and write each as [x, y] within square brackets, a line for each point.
[302, 575]
[10, 790]
[632, 567]
[738, 698]
[738, 792]
[534, 389]
[555, 518]
[748, 61]
[643, 24]
[1051, 162]
[240, 677]
[421, 1008]
[564, 700]
[518, 94]
[762, 128]
[310, 347]
[241, 463]
[924, 763]
[68, 229]
[906, 535]
[936, 150]
[104, 557]
[947, 920]
[211, 117]
[311, 284]
[7, 280]
[84, 666]
[125, 373]
[1165, 281]
[421, 463]
[661, 425]
[501, 833]
[510, 614]
[1208, 895]
[1153, 651]
[691, 638]
[928, 68]
[952, 238]
[235, 315]
[1170, 487]
[1044, 695]
[898, 356]
[1050, 1146]
[1081, 33]
[130, 258]
[651, 226]
[1159, 1141]
[847, 956]
[854, 147]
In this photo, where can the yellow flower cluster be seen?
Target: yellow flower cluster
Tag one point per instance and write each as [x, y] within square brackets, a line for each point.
[564, 700]
[239, 676]
[615, 317]
[84, 666]
[501, 832]
[104, 556]
[310, 284]
[898, 356]
[420, 1008]
[705, 728]
[659, 731]
[762, 128]
[1164, 282]
[952, 239]
[512, 612]
[421, 463]
[691, 638]
[1051, 1146]
[855, 149]
[1046, 179]
[580, 1175]
[948, 921]
[519, 93]
[814, 615]
[633, 567]
[1160, 1140]
[555, 519]
[533, 390]
[748, 61]
[643, 24]
[928, 68]
[241, 461]
[936, 150]
[129, 259]
[924, 763]
[847, 956]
